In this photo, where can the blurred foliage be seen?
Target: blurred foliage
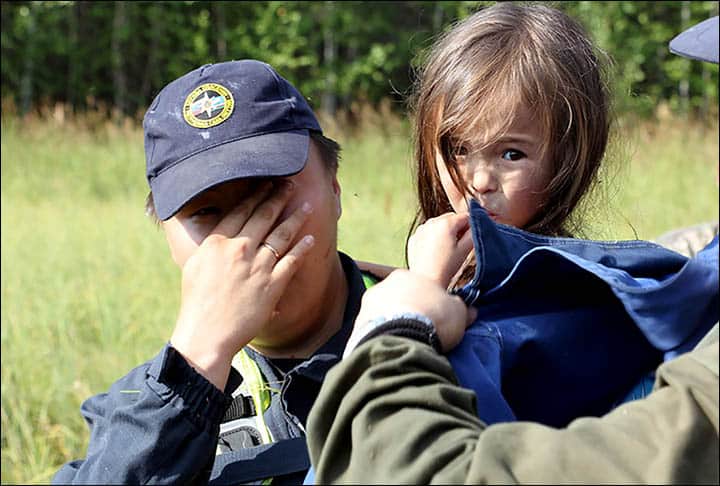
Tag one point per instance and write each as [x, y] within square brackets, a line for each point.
[118, 55]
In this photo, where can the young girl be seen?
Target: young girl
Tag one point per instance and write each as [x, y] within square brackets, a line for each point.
[511, 125]
[512, 110]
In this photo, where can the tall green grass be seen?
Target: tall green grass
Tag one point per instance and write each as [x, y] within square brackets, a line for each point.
[89, 290]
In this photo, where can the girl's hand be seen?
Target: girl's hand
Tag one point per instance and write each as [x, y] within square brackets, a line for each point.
[439, 247]
[233, 282]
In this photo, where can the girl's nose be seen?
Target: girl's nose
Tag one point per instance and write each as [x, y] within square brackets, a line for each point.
[484, 179]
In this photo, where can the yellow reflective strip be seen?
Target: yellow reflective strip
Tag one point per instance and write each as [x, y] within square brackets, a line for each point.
[369, 280]
[255, 384]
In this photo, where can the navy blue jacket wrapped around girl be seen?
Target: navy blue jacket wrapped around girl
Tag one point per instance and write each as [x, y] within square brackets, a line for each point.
[595, 318]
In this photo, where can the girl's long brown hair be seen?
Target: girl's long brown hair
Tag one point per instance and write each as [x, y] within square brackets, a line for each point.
[476, 77]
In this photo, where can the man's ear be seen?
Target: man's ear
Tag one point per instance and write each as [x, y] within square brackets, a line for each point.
[337, 190]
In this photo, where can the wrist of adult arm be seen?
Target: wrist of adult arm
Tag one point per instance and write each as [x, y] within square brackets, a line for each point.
[212, 363]
[411, 325]
[202, 398]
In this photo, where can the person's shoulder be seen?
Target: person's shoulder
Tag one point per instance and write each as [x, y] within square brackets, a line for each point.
[689, 240]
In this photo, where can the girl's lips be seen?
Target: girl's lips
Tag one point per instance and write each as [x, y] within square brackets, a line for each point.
[493, 215]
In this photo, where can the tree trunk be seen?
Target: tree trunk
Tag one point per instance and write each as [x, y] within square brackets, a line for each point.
[438, 15]
[705, 108]
[329, 96]
[71, 93]
[26, 82]
[119, 81]
[684, 85]
[218, 10]
[156, 32]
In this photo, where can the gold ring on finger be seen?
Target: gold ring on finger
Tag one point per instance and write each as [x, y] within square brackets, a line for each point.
[272, 249]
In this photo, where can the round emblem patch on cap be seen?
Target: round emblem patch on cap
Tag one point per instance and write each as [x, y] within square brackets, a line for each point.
[208, 105]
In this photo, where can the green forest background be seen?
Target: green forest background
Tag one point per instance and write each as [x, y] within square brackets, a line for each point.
[116, 56]
[88, 287]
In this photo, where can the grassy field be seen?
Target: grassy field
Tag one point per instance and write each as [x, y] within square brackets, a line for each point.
[89, 290]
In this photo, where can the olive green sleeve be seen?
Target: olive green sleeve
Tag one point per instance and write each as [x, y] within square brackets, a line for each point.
[392, 413]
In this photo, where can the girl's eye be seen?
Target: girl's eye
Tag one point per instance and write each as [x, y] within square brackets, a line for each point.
[460, 152]
[512, 154]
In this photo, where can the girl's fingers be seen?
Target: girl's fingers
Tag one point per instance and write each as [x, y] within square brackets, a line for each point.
[472, 313]
[277, 243]
[465, 243]
[458, 223]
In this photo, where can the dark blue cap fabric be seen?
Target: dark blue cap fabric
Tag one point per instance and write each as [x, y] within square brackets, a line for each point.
[699, 42]
[221, 122]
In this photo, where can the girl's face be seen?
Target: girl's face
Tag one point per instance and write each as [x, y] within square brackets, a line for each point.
[507, 177]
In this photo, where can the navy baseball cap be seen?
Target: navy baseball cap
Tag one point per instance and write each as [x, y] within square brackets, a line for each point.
[699, 42]
[221, 122]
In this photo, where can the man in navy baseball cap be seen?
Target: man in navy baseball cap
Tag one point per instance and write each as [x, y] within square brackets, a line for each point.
[244, 185]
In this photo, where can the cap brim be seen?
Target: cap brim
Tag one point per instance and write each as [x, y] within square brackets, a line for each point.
[270, 155]
[699, 42]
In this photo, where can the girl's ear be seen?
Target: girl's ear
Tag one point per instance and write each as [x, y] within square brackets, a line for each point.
[337, 191]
